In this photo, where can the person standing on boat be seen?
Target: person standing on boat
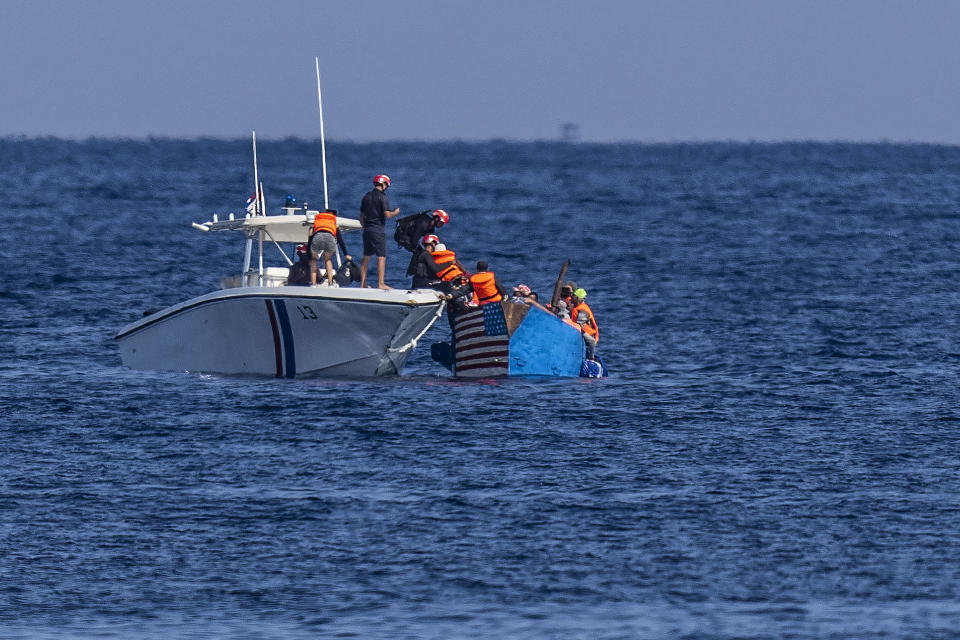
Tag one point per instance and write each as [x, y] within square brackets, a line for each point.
[583, 315]
[374, 211]
[486, 288]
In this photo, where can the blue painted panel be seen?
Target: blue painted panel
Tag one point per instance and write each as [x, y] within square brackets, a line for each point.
[544, 345]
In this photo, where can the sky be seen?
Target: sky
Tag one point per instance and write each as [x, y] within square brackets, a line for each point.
[637, 70]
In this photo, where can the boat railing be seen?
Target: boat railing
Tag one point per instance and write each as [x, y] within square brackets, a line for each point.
[272, 277]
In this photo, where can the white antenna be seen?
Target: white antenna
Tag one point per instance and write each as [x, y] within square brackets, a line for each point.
[323, 144]
[256, 179]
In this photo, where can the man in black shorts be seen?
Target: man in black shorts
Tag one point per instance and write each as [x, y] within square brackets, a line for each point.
[374, 211]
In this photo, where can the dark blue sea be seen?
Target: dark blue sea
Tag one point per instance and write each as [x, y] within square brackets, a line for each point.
[774, 455]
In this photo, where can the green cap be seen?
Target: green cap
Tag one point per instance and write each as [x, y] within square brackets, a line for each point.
[580, 293]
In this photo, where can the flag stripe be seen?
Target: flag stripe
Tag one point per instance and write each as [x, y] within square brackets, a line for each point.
[490, 356]
[495, 366]
[475, 335]
[470, 349]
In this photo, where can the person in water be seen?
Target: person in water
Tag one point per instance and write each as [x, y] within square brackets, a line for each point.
[374, 211]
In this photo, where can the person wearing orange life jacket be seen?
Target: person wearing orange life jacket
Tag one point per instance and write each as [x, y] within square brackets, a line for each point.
[454, 279]
[323, 241]
[486, 289]
[448, 267]
[583, 316]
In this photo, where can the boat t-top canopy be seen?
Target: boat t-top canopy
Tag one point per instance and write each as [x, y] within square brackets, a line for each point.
[275, 229]
[283, 228]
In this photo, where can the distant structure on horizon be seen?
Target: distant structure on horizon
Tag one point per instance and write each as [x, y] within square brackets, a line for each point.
[569, 132]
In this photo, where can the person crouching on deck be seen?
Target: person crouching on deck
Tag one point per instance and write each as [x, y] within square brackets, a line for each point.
[300, 271]
[486, 289]
[583, 315]
[424, 268]
[411, 232]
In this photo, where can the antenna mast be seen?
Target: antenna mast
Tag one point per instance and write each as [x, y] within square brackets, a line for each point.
[323, 144]
[256, 178]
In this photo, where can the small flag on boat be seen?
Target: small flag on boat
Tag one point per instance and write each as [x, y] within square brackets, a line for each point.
[482, 344]
[252, 204]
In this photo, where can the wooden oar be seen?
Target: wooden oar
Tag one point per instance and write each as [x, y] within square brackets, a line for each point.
[556, 289]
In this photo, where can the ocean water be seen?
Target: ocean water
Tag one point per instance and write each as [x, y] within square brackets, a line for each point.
[774, 455]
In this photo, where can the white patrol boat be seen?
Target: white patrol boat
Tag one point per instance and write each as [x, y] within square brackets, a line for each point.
[258, 325]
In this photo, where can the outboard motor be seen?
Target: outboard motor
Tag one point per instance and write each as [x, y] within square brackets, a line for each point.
[442, 353]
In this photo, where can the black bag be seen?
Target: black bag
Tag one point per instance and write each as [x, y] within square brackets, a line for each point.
[348, 272]
[411, 228]
[416, 266]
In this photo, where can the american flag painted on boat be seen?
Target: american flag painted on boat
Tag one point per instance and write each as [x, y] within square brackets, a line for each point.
[482, 344]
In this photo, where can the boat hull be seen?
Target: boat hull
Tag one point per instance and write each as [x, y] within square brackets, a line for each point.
[544, 345]
[512, 339]
[283, 331]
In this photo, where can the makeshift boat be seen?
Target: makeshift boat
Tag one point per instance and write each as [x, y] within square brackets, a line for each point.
[258, 325]
[514, 339]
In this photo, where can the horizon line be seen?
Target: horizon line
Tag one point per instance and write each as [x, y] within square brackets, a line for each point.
[495, 139]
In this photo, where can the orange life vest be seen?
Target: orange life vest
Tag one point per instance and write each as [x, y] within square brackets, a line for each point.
[447, 268]
[590, 326]
[485, 287]
[325, 221]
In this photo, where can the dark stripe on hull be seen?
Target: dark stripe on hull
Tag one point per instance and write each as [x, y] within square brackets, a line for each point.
[276, 339]
[288, 347]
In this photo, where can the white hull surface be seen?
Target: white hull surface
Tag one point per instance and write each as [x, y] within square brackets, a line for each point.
[283, 331]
